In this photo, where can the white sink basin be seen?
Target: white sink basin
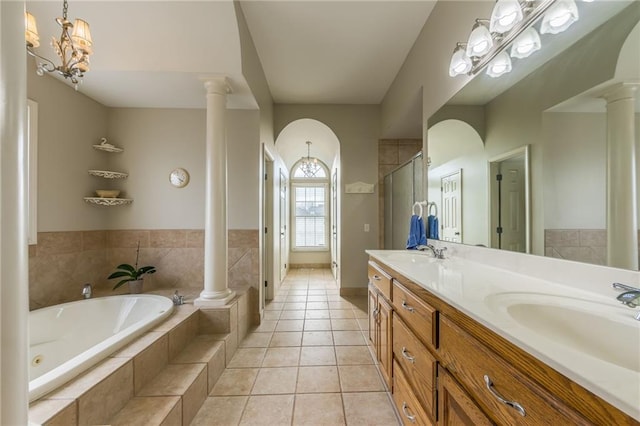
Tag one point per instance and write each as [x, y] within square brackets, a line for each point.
[609, 333]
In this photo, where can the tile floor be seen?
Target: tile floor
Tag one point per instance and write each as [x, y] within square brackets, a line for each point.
[308, 363]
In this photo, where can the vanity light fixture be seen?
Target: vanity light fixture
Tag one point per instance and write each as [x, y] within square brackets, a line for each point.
[511, 24]
[506, 14]
[309, 165]
[559, 17]
[73, 47]
[526, 43]
[500, 65]
[480, 40]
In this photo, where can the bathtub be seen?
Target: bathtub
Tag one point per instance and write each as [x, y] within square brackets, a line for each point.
[67, 339]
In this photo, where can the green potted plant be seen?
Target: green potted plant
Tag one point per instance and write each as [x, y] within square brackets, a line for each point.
[132, 274]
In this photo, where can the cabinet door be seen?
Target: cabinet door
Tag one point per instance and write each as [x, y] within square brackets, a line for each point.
[385, 348]
[373, 317]
[455, 406]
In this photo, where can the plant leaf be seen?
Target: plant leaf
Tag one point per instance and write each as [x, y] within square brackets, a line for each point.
[126, 267]
[146, 270]
[122, 282]
[119, 274]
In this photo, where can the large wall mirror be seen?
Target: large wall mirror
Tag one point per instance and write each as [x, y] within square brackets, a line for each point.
[544, 129]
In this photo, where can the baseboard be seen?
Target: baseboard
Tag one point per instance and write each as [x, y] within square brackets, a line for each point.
[310, 266]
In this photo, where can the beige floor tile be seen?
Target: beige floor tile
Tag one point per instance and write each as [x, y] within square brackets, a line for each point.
[344, 324]
[256, 340]
[317, 338]
[290, 325]
[363, 323]
[247, 357]
[318, 409]
[369, 408]
[272, 381]
[341, 313]
[317, 290]
[317, 355]
[318, 305]
[317, 314]
[353, 355]
[272, 315]
[296, 298]
[294, 306]
[291, 315]
[281, 357]
[317, 298]
[286, 338]
[235, 381]
[298, 291]
[272, 410]
[274, 306]
[317, 325]
[340, 304]
[220, 411]
[359, 378]
[143, 411]
[266, 326]
[318, 380]
[348, 338]
[357, 313]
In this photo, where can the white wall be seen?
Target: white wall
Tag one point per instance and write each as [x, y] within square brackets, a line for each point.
[68, 124]
[358, 130]
[466, 154]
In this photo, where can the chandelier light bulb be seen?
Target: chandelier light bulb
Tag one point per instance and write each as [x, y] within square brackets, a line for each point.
[480, 41]
[526, 43]
[500, 65]
[460, 62]
[559, 17]
[506, 14]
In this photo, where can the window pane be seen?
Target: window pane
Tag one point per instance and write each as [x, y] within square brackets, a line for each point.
[310, 216]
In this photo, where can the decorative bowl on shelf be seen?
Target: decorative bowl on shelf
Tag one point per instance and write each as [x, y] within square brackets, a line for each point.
[107, 193]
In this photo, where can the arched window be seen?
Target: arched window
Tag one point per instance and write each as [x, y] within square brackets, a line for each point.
[310, 206]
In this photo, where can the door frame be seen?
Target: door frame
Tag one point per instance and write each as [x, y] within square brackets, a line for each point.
[492, 166]
[460, 201]
[268, 278]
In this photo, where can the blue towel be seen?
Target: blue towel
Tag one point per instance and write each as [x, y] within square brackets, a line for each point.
[432, 227]
[417, 234]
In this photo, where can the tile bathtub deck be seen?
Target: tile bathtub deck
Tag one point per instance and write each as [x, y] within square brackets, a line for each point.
[308, 363]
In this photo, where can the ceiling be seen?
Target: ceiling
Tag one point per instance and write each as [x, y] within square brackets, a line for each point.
[154, 53]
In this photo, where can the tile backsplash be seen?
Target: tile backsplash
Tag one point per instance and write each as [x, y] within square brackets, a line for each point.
[62, 262]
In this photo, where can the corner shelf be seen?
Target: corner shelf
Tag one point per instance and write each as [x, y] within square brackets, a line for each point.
[107, 174]
[108, 201]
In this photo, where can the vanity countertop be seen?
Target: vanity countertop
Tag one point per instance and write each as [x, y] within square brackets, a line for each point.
[585, 335]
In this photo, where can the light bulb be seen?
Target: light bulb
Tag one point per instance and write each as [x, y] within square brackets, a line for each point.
[500, 65]
[559, 17]
[460, 62]
[526, 43]
[480, 41]
[506, 14]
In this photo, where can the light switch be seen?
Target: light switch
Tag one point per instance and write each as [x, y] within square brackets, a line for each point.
[366, 227]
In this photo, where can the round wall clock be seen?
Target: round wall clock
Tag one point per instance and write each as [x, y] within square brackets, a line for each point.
[179, 178]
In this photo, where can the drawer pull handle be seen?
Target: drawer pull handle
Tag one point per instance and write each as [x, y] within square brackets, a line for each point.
[407, 356]
[519, 408]
[377, 278]
[407, 307]
[376, 312]
[411, 418]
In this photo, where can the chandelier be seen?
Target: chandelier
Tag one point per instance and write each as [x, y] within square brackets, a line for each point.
[511, 24]
[309, 165]
[73, 47]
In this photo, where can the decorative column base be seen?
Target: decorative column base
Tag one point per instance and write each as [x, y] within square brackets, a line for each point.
[214, 299]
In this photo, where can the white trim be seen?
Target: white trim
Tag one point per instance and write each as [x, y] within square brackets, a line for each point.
[32, 170]
[309, 182]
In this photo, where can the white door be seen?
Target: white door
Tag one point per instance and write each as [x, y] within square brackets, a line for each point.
[267, 242]
[334, 225]
[512, 205]
[284, 250]
[451, 220]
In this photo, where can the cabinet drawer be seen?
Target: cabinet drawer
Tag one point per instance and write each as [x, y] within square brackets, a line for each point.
[487, 377]
[417, 363]
[410, 410]
[419, 316]
[380, 279]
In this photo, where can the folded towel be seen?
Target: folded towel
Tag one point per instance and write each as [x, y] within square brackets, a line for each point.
[432, 227]
[417, 234]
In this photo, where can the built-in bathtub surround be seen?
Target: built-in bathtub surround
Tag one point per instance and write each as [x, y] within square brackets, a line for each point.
[62, 262]
[580, 245]
[391, 154]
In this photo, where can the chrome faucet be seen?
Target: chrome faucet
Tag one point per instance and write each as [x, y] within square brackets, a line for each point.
[437, 253]
[87, 291]
[178, 299]
[631, 297]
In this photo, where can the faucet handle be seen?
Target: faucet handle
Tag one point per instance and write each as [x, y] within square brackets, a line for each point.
[630, 298]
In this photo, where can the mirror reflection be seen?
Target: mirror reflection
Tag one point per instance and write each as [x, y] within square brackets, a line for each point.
[545, 158]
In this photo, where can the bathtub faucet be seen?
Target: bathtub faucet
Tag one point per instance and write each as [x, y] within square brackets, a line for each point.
[86, 291]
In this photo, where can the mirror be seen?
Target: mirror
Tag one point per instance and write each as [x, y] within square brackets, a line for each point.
[553, 113]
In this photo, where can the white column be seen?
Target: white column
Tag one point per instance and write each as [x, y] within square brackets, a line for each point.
[216, 292]
[14, 281]
[622, 227]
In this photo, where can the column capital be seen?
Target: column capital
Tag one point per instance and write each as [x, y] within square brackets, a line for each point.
[619, 91]
[218, 85]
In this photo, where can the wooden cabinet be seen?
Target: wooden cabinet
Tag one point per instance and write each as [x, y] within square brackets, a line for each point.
[380, 319]
[455, 406]
[445, 368]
